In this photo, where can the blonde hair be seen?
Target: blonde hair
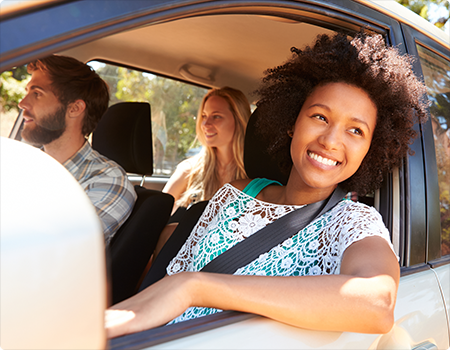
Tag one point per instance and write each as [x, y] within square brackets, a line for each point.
[203, 180]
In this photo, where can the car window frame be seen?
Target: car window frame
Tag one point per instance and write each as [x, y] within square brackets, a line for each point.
[414, 37]
[73, 34]
[391, 30]
[155, 181]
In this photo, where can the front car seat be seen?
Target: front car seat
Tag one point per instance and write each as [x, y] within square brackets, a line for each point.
[124, 135]
[257, 163]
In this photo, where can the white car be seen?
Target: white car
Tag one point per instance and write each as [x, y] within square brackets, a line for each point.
[53, 276]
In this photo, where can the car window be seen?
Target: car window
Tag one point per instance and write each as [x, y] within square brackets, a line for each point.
[436, 71]
[12, 90]
[174, 105]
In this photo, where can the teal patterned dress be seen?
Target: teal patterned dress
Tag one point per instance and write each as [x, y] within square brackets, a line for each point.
[233, 215]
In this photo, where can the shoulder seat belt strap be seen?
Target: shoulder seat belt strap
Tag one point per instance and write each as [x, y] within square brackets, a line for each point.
[270, 236]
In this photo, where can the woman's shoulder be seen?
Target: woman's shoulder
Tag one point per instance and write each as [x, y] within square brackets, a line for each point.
[356, 221]
[240, 184]
[356, 213]
[186, 165]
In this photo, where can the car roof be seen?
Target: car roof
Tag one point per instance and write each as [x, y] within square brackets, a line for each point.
[204, 49]
[404, 15]
[15, 7]
[226, 45]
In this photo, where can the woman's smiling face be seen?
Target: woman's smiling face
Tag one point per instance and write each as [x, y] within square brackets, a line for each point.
[332, 135]
[218, 123]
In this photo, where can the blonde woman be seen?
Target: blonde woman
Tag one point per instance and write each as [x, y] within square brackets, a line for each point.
[221, 123]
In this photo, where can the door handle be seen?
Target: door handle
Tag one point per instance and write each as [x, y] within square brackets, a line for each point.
[426, 345]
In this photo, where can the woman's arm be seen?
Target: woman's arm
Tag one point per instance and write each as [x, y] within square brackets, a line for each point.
[178, 182]
[360, 299]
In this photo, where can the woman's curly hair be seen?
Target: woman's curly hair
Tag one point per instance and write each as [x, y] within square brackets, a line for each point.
[365, 62]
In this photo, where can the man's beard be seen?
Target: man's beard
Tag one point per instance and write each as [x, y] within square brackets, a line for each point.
[50, 128]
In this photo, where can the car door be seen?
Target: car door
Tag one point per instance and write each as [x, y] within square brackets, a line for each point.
[433, 64]
[408, 201]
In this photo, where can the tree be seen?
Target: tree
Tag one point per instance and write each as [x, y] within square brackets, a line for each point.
[422, 8]
[12, 91]
[12, 87]
[174, 107]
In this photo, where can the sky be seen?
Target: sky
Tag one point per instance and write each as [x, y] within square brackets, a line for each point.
[435, 12]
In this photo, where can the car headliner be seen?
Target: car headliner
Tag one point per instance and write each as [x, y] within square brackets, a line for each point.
[205, 49]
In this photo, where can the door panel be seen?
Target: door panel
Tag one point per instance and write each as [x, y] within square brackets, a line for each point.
[443, 274]
[419, 316]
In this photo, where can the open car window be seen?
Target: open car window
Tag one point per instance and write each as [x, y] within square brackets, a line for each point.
[436, 72]
[174, 105]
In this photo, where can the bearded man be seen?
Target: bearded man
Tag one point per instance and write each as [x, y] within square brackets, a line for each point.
[64, 102]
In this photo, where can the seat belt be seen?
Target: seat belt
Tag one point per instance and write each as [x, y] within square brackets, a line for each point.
[245, 251]
[173, 244]
[270, 236]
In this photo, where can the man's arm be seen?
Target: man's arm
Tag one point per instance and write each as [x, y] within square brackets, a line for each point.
[113, 197]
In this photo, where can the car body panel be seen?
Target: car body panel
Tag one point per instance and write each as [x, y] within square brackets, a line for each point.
[148, 35]
[443, 274]
[419, 316]
[57, 243]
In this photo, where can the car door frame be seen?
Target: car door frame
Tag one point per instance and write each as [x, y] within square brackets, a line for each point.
[419, 240]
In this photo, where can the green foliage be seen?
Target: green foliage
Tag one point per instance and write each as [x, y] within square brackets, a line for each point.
[174, 107]
[421, 7]
[11, 90]
[440, 111]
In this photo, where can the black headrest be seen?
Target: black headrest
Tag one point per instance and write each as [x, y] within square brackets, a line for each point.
[124, 134]
[257, 162]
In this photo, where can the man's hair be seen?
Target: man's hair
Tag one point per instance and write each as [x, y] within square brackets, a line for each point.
[365, 62]
[73, 80]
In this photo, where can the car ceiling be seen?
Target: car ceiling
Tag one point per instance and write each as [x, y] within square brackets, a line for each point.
[213, 50]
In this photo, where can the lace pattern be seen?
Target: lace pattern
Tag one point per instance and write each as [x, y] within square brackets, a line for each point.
[231, 216]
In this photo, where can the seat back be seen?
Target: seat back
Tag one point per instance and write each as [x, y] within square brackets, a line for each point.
[173, 244]
[124, 135]
[257, 163]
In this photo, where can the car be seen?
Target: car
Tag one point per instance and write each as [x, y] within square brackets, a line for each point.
[201, 45]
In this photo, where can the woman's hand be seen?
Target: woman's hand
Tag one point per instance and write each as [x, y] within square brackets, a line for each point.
[368, 283]
[153, 307]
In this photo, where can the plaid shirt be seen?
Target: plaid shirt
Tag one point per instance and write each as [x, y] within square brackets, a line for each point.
[106, 185]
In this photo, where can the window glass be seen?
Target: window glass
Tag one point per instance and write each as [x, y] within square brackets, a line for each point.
[437, 79]
[12, 91]
[174, 107]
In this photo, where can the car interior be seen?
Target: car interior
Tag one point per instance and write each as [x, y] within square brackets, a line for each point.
[200, 50]
[212, 44]
[124, 135]
[203, 50]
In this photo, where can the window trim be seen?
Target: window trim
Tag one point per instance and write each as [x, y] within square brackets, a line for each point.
[163, 334]
[433, 227]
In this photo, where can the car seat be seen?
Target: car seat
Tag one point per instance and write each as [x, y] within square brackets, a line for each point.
[257, 163]
[124, 135]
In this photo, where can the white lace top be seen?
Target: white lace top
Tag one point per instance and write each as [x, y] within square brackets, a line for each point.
[232, 215]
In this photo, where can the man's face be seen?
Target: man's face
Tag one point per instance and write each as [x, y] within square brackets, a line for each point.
[44, 116]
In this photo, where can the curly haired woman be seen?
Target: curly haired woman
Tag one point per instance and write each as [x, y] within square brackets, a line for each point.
[340, 112]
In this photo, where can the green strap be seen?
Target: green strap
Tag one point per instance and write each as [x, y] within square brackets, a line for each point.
[257, 185]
